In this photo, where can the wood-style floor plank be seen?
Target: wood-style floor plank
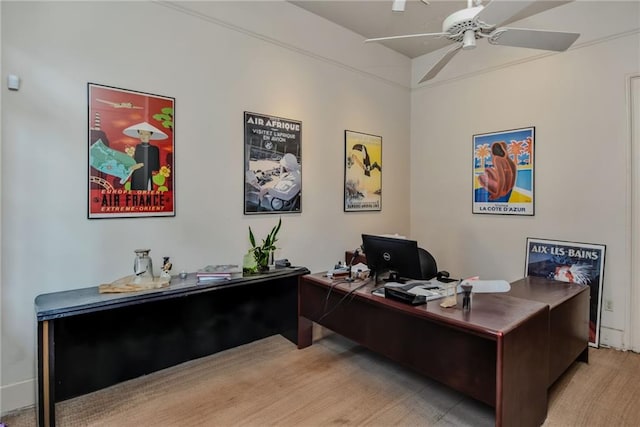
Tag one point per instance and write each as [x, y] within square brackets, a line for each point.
[334, 382]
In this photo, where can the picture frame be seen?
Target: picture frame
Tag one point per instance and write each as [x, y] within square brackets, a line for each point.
[131, 149]
[272, 164]
[572, 262]
[362, 172]
[503, 172]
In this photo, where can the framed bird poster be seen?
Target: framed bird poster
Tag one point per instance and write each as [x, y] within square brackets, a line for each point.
[572, 262]
[503, 172]
[131, 152]
[362, 172]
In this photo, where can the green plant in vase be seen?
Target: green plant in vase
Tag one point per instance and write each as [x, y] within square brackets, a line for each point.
[261, 253]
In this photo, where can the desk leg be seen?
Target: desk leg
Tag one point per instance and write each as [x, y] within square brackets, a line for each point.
[46, 377]
[305, 326]
[584, 356]
[305, 332]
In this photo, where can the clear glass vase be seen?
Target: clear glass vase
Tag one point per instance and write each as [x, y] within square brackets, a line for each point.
[142, 266]
[249, 264]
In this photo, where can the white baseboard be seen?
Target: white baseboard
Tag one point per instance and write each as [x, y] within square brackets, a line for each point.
[17, 396]
[611, 338]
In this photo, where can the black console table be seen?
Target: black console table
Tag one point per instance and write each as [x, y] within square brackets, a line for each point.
[87, 340]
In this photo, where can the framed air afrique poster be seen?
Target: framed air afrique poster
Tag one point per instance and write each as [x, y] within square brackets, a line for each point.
[131, 153]
[272, 164]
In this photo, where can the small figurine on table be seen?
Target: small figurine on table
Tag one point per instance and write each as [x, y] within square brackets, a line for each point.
[166, 268]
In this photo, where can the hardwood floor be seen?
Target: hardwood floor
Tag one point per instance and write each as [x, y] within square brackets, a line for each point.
[334, 382]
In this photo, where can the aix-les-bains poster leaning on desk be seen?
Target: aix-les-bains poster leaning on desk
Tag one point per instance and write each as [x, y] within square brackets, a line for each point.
[581, 263]
[503, 172]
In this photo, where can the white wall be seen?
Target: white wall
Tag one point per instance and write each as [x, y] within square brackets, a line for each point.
[1, 340]
[218, 60]
[577, 102]
[633, 333]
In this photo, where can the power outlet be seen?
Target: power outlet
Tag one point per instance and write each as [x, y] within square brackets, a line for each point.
[608, 305]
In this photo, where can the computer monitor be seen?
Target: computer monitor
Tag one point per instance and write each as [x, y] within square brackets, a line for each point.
[387, 254]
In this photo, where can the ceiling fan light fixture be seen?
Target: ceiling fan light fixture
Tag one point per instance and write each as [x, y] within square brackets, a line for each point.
[469, 40]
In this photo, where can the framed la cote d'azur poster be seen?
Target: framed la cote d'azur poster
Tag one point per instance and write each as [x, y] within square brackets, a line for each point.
[503, 172]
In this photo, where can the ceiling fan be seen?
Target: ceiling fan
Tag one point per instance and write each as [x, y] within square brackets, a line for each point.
[477, 21]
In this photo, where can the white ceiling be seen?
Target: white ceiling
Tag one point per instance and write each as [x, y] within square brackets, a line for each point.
[374, 18]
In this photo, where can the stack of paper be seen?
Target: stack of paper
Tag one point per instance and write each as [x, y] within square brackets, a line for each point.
[218, 272]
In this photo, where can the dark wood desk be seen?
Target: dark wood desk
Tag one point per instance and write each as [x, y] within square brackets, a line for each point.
[88, 341]
[498, 353]
[568, 319]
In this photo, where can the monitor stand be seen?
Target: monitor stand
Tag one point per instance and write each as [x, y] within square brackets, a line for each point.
[394, 277]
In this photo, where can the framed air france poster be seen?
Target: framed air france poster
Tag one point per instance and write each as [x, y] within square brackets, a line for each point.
[131, 152]
[503, 172]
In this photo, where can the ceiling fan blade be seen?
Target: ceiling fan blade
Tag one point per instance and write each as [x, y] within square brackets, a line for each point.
[406, 36]
[533, 39]
[496, 12]
[441, 63]
[398, 5]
